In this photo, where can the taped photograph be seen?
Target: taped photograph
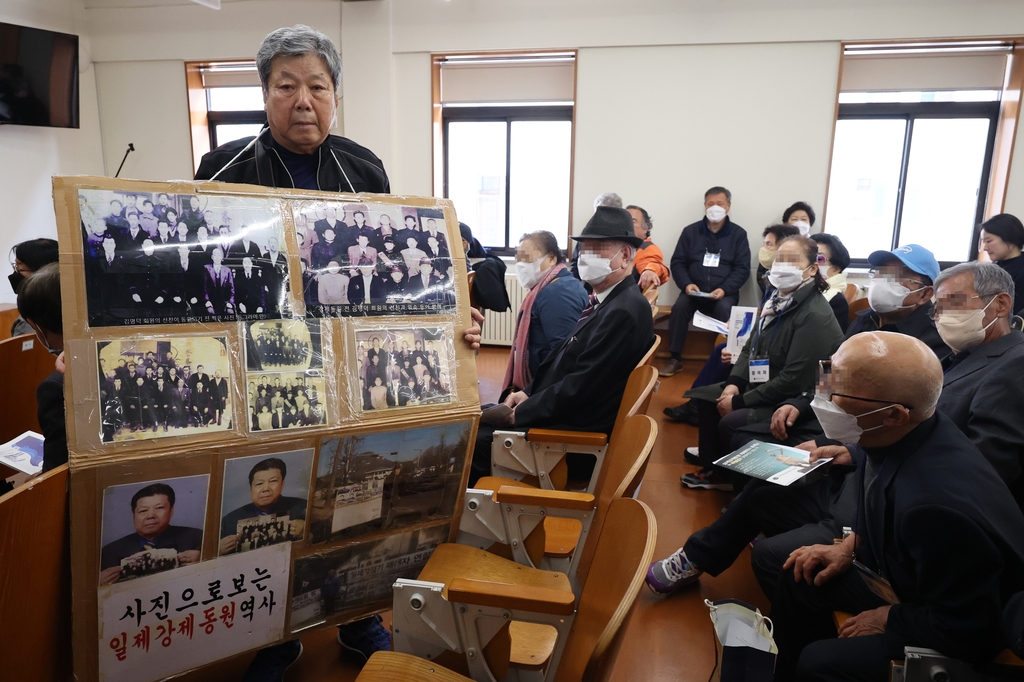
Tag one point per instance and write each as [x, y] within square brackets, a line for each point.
[152, 527]
[381, 481]
[373, 259]
[286, 400]
[156, 258]
[264, 501]
[283, 345]
[360, 574]
[155, 388]
[403, 367]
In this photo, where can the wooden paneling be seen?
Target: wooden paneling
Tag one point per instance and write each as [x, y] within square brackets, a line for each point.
[24, 363]
[1006, 133]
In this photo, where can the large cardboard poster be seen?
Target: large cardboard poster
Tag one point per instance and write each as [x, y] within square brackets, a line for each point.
[218, 340]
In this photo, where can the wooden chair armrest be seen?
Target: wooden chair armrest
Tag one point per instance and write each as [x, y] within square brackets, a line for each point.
[570, 437]
[840, 617]
[537, 497]
[504, 595]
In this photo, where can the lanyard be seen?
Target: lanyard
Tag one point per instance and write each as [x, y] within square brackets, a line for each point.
[755, 346]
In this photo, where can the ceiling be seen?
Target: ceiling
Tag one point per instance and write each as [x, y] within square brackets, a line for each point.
[97, 4]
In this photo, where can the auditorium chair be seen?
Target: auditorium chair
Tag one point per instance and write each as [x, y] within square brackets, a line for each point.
[556, 530]
[494, 619]
[537, 456]
[24, 363]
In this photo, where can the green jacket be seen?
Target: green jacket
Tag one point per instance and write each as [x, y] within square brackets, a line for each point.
[795, 341]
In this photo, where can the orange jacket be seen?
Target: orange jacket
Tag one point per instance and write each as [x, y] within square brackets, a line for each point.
[649, 257]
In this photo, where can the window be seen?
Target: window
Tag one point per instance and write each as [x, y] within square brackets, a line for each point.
[507, 170]
[225, 103]
[911, 167]
[234, 112]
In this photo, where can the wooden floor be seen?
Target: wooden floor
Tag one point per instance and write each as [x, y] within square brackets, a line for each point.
[665, 638]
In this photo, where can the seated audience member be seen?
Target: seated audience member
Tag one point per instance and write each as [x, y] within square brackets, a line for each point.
[549, 311]
[152, 511]
[900, 294]
[580, 384]
[603, 199]
[794, 329]
[982, 390]
[833, 259]
[29, 256]
[924, 491]
[489, 291]
[773, 234]
[649, 269]
[801, 216]
[1002, 238]
[39, 305]
[712, 257]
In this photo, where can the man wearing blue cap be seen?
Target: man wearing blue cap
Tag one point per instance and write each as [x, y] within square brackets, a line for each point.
[900, 295]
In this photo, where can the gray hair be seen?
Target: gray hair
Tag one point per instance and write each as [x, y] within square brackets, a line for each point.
[608, 199]
[298, 41]
[989, 278]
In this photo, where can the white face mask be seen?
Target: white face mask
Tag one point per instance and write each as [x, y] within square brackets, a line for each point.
[885, 296]
[962, 329]
[803, 226]
[785, 276]
[593, 268]
[715, 214]
[837, 423]
[528, 274]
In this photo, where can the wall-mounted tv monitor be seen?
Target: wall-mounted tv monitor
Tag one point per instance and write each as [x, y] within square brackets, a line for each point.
[38, 77]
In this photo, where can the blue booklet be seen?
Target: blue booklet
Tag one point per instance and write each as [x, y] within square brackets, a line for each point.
[777, 464]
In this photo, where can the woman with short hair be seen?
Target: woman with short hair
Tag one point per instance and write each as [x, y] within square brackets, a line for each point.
[1002, 238]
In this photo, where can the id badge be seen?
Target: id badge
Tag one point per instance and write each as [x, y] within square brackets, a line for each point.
[877, 584]
[711, 260]
[758, 371]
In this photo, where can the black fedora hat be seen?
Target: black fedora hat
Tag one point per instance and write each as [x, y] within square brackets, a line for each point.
[611, 223]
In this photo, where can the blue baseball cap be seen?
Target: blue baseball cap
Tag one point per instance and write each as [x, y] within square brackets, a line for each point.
[914, 256]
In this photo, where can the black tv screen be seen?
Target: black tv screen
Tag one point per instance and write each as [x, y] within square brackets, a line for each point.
[38, 77]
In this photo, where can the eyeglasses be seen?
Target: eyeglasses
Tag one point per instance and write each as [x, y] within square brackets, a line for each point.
[875, 273]
[826, 392]
[956, 302]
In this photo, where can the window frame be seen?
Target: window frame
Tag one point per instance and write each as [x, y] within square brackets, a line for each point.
[506, 114]
[910, 111]
[216, 118]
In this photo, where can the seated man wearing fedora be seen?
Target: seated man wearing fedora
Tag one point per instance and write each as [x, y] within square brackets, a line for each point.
[579, 385]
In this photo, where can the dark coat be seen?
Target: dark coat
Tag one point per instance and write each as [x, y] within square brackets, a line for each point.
[489, 285]
[50, 412]
[357, 293]
[982, 394]
[935, 493]
[179, 538]
[555, 312]
[219, 290]
[917, 324]
[249, 291]
[580, 385]
[730, 242]
[795, 341]
[344, 166]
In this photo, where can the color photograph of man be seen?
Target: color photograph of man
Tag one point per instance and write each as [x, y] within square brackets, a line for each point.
[278, 488]
[144, 549]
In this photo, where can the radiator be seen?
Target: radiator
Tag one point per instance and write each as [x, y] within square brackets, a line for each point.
[500, 328]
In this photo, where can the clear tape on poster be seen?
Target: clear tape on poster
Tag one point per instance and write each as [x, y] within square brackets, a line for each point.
[394, 368]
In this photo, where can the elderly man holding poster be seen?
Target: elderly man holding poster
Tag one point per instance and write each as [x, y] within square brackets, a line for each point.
[300, 72]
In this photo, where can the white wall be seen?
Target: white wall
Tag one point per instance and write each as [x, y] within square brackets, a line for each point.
[140, 56]
[29, 156]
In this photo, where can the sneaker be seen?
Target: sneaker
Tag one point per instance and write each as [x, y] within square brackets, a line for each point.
[706, 479]
[668, 575]
[364, 637]
[671, 368]
[684, 414]
[270, 663]
[692, 455]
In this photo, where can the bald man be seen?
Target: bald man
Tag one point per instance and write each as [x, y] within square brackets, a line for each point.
[939, 542]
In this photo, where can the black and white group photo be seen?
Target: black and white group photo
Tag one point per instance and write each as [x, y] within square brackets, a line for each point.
[281, 345]
[156, 258]
[403, 367]
[286, 400]
[359, 574]
[154, 388]
[373, 259]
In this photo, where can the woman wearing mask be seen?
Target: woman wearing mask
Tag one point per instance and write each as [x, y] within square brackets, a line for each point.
[26, 258]
[773, 234]
[549, 311]
[801, 216]
[833, 259]
[1002, 238]
[794, 329]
